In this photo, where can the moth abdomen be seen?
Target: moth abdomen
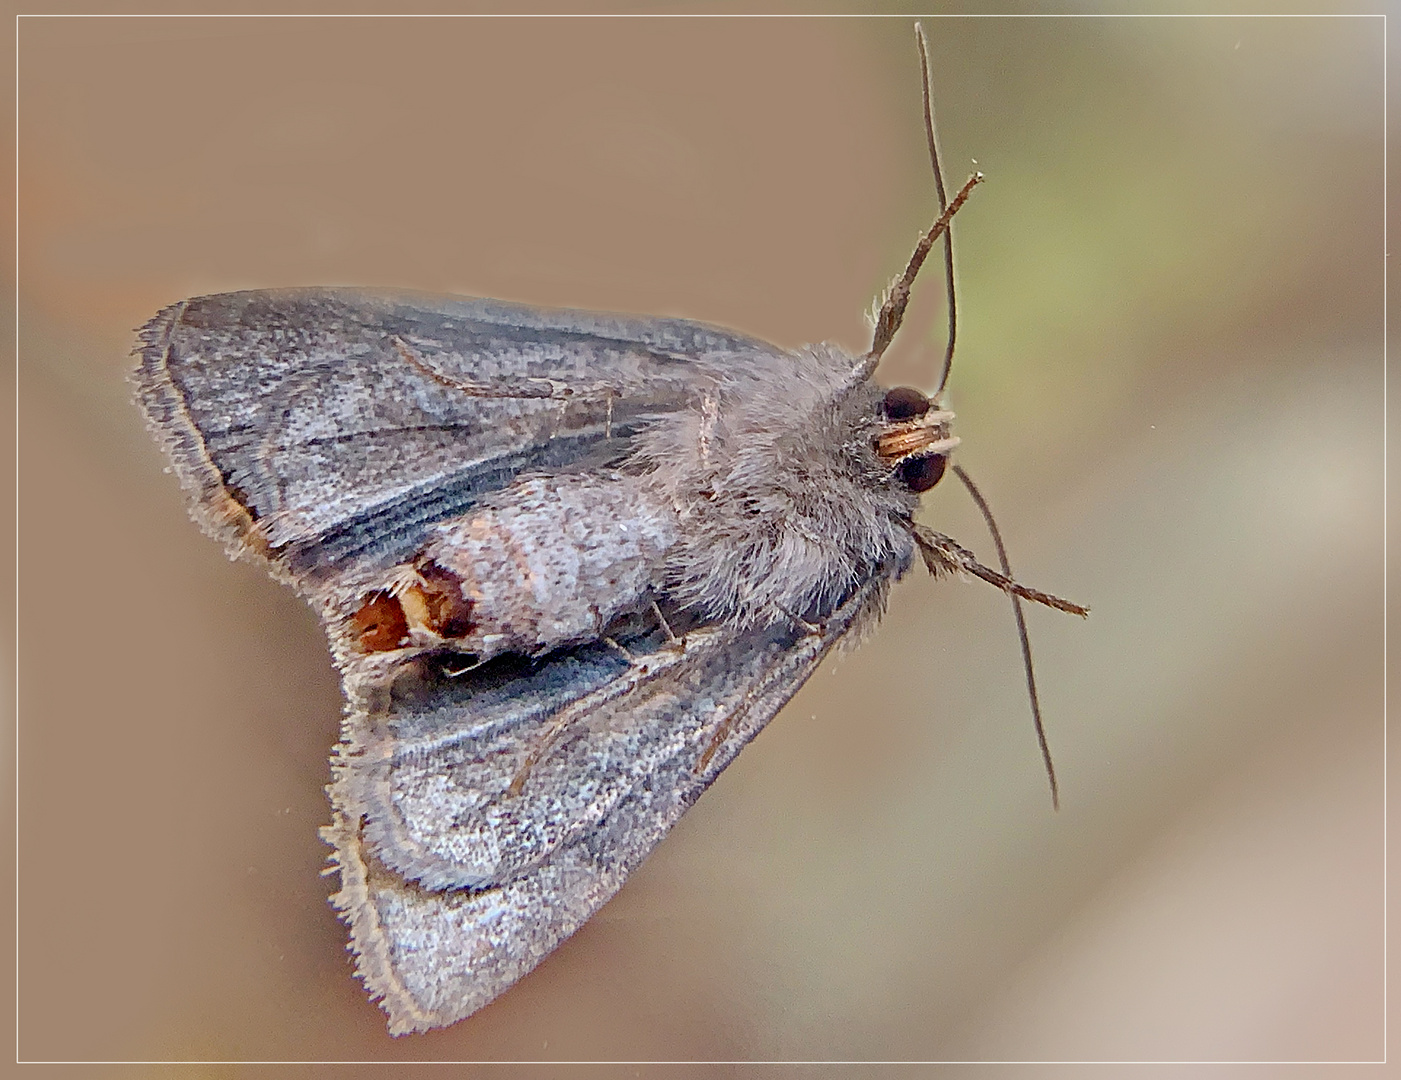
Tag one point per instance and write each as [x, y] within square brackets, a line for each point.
[546, 562]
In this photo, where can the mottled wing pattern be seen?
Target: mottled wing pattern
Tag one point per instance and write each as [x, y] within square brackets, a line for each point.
[454, 883]
[328, 429]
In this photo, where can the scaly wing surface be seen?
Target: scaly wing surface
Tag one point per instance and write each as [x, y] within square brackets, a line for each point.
[328, 429]
[464, 862]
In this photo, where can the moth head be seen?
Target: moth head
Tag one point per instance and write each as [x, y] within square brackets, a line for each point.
[912, 437]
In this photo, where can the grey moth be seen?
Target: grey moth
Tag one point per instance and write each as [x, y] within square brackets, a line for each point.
[569, 564]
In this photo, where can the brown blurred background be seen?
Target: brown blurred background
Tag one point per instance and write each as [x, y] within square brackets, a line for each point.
[1169, 382]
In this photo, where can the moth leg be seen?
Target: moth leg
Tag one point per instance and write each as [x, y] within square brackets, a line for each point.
[567, 394]
[546, 389]
[641, 670]
[457, 673]
[718, 739]
[620, 650]
[811, 628]
[672, 639]
[543, 745]
[549, 389]
[945, 555]
[710, 415]
[411, 357]
[726, 729]
[721, 734]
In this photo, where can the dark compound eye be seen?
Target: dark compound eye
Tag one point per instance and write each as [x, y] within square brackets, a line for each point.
[905, 403]
[922, 473]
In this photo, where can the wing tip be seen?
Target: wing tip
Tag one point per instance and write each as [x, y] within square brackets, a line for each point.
[211, 503]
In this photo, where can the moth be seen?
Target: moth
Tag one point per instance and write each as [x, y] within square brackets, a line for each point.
[569, 564]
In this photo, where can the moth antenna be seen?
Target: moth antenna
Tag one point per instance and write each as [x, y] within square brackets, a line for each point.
[932, 139]
[878, 302]
[892, 308]
[1021, 631]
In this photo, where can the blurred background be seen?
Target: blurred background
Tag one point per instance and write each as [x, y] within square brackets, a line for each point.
[1168, 383]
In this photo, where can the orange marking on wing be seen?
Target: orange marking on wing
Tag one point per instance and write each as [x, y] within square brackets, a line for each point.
[439, 603]
[379, 625]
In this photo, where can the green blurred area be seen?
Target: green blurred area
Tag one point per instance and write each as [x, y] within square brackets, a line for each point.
[1158, 190]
